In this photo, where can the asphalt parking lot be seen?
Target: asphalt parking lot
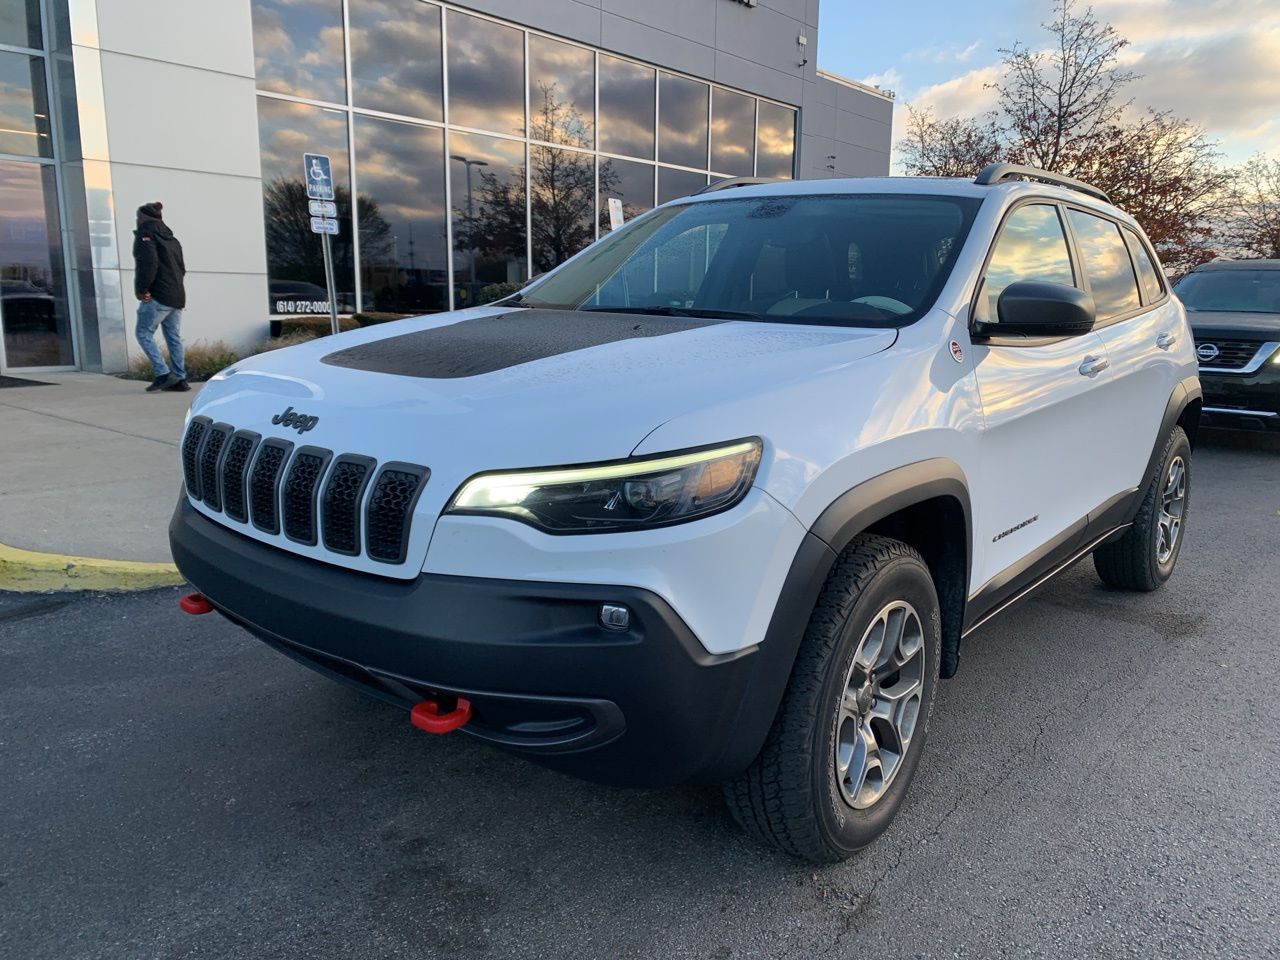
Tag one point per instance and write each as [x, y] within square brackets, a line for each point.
[1101, 780]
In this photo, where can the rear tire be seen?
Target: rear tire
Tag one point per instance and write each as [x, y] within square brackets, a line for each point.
[1143, 558]
[845, 743]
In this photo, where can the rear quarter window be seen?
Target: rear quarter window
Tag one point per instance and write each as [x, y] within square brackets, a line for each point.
[1148, 275]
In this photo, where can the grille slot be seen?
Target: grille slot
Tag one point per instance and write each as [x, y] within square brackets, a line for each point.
[196, 432]
[298, 495]
[264, 483]
[1232, 354]
[390, 510]
[340, 503]
[235, 468]
[210, 455]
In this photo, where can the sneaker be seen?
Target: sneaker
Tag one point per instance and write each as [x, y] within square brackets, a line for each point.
[161, 383]
[177, 384]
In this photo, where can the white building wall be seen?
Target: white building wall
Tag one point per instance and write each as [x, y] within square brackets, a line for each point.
[178, 101]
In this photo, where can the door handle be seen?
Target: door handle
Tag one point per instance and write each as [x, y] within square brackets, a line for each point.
[1092, 366]
[1166, 340]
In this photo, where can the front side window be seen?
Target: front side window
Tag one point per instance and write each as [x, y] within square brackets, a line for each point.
[1106, 263]
[1234, 291]
[1032, 246]
[774, 259]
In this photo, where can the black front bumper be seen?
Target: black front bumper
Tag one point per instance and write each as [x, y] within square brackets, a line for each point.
[646, 706]
[1249, 401]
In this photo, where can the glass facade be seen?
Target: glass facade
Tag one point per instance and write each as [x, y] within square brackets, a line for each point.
[478, 153]
[35, 313]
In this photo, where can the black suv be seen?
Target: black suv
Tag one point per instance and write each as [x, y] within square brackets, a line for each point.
[1234, 310]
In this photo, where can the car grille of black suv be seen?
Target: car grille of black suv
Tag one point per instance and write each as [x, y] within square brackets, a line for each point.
[1231, 355]
[308, 494]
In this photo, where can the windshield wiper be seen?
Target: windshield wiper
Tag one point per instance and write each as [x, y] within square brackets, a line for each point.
[708, 313]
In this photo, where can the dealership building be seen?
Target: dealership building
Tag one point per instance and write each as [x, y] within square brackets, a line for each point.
[473, 144]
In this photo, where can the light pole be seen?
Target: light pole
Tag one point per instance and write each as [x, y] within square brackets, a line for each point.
[470, 211]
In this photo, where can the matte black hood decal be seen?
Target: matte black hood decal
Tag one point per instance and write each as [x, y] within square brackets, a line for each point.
[470, 348]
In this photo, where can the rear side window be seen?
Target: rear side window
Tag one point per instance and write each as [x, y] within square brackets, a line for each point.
[1148, 277]
[1106, 263]
[1032, 246]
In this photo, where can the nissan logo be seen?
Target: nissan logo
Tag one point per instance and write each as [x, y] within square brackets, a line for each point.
[1207, 352]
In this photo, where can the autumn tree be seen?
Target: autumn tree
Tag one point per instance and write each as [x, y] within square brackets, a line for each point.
[950, 147]
[1253, 220]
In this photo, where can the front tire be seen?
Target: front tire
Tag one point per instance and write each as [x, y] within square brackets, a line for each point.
[1143, 558]
[837, 762]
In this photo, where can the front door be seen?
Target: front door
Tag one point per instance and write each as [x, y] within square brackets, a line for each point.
[1042, 415]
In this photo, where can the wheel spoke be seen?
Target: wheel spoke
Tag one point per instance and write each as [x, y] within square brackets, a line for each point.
[869, 773]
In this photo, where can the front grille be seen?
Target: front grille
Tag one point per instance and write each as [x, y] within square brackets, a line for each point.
[298, 495]
[1232, 354]
[210, 454]
[264, 481]
[196, 430]
[340, 503]
[235, 466]
[391, 504]
[347, 502]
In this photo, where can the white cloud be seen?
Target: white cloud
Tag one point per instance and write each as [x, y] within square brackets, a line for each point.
[966, 95]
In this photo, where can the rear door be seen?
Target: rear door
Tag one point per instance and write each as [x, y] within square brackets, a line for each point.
[1141, 328]
[1042, 412]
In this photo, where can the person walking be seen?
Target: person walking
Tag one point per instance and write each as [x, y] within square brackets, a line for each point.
[157, 282]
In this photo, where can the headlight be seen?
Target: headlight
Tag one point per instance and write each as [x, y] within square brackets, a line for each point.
[631, 494]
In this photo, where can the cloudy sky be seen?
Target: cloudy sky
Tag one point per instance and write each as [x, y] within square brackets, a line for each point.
[1216, 62]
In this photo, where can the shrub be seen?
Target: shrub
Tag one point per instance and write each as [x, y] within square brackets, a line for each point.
[316, 326]
[202, 360]
[376, 316]
[291, 340]
[496, 291]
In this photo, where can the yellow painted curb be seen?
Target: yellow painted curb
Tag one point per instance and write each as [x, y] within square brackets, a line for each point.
[25, 571]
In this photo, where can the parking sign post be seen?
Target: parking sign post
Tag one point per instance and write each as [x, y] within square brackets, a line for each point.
[317, 173]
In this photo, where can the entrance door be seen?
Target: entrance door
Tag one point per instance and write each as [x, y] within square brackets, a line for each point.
[34, 314]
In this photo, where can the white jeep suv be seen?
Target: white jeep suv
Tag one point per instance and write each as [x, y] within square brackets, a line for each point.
[720, 497]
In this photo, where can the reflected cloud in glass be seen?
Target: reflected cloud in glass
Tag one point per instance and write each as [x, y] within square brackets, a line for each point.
[673, 184]
[1032, 246]
[486, 75]
[733, 133]
[24, 106]
[626, 107]
[20, 23]
[682, 112]
[775, 141]
[630, 182]
[1106, 264]
[561, 76]
[298, 48]
[396, 57]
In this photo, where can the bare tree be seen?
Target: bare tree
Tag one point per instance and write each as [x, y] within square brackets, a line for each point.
[1253, 222]
[951, 147]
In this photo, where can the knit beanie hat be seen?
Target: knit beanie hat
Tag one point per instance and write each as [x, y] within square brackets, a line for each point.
[151, 210]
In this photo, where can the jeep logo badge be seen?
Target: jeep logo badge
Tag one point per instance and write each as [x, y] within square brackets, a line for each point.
[1207, 352]
[299, 421]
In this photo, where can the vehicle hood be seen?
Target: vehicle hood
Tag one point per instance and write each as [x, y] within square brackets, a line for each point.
[502, 388]
[1245, 325]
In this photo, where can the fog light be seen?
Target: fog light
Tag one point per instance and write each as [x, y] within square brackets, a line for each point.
[615, 616]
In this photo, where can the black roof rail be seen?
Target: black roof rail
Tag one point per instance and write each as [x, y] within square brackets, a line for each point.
[728, 183]
[999, 172]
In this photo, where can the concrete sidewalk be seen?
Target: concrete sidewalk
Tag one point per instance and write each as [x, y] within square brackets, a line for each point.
[89, 466]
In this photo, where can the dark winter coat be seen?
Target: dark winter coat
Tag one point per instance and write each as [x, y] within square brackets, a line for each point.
[158, 263]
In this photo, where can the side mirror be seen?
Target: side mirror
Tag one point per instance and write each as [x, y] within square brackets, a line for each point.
[1038, 308]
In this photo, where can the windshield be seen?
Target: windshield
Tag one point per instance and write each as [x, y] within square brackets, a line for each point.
[1231, 291]
[862, 259]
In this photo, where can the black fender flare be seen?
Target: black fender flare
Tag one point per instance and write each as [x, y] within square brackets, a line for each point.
[1176, 411]
[854, 511]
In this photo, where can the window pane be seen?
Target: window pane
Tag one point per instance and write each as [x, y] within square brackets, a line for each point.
[486, 74]
[733, 133]
[24, 106]
[776, 141]
[1106, 264]
[33, 296]
[678, 183]
[1032, 246]
[1148, 276]
[562, 198]
[561, 92]
[1231, 291]
[403, 252]
[682, 109]
[297, 46]
[295, 263]
[20, 23]
[630, 182]
[489, 227]
[396, 57]
[626, 107]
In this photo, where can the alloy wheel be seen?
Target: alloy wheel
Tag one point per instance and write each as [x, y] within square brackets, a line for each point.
[1173, 502]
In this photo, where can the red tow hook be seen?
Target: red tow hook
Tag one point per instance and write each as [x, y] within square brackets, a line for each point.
[195, 604]
[431, 715]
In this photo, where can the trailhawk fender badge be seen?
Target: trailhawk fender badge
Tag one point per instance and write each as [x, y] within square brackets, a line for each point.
[301, 422]
[957, 354]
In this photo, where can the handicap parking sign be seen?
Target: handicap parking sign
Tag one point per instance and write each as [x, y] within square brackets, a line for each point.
[319, 176]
